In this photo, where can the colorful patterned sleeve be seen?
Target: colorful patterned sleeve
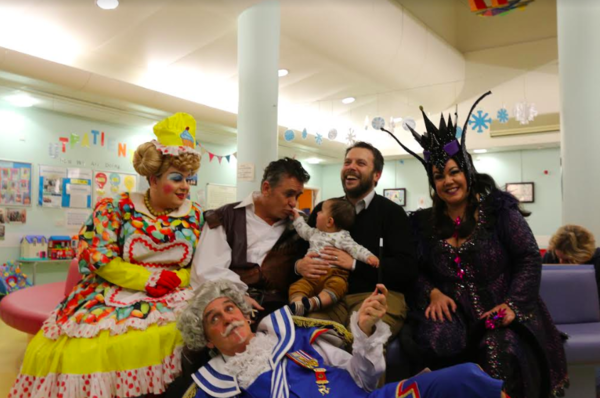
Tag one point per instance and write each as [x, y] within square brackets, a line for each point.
[98, 238]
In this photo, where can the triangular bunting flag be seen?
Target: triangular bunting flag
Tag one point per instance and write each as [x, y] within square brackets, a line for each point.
[220, 158]
[227, 157]
[211, 156]
[235, 154]
[203, 150]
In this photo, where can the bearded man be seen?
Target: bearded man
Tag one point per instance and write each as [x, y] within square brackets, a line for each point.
[287, 358]
[376, 218]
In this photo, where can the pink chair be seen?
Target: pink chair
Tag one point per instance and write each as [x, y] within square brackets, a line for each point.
[27, 309]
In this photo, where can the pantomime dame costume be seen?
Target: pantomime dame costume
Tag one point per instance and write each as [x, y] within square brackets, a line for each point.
[110, 337]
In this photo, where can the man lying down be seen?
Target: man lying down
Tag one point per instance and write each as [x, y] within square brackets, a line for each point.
[287, 358]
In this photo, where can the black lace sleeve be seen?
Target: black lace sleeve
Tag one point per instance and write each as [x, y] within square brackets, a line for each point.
[524, 253]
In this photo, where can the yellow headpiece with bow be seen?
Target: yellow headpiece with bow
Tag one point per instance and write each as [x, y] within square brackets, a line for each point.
[176, 135]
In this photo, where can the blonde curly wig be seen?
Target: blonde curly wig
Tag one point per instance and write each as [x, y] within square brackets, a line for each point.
[149, 162]
[577, 243]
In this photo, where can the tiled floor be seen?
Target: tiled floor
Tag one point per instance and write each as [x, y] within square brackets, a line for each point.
[12, 349]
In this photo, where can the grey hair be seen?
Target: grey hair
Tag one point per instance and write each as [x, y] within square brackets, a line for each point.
[190, 321]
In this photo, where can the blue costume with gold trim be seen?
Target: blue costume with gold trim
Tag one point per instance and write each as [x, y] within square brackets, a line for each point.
[289, 378]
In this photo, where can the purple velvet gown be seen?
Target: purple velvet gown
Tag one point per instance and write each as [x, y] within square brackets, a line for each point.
[502, 263]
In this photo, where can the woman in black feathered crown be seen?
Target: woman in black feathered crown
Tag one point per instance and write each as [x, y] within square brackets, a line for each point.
[477, 297]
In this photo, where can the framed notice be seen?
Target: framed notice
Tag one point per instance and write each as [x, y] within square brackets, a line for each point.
[15, 183]
[396, 195]
[524, 191]
[219, 195]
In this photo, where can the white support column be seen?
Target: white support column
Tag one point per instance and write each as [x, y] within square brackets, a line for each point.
[579, 68]
[258, 63]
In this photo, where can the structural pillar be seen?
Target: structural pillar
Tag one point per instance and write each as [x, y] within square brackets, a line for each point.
[579, 70]
[258, 63]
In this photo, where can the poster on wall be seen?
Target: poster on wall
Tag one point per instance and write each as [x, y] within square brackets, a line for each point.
[51, 185]
[15, 183]
[109, 184]
[77, 193]
[16, 216]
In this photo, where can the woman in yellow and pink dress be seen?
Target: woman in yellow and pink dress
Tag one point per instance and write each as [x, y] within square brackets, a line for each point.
[115, 334]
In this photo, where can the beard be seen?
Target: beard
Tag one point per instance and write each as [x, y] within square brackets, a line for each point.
[365, 184]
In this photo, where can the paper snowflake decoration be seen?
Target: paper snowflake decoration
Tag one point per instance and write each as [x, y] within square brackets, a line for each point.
[409, 122]
[319, 139]
[289, 135]
[480, 121]
[525, 112]
[350, 137]
[304, 134]
[378, 123]
[502, 115]
[332, 134]
[458, 132]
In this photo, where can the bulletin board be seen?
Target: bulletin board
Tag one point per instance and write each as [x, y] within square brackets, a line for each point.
[110, 184]
[219, 195]
[15, 183]
[55, 192]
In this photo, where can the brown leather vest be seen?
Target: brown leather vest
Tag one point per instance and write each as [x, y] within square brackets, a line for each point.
[274, 277]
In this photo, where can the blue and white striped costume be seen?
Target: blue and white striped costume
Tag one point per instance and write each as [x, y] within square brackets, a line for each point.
[287, 379]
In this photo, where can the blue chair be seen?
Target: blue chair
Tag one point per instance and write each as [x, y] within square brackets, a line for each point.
[571, 295]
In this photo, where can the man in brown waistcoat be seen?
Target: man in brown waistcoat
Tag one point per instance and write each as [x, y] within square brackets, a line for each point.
[252, 243]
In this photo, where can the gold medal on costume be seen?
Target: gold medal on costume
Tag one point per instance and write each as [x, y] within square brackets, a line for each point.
[306, 361]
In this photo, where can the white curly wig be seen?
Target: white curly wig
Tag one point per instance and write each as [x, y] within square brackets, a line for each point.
[190, 321]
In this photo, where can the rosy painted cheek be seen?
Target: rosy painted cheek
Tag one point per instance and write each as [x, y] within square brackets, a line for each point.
[168, 188]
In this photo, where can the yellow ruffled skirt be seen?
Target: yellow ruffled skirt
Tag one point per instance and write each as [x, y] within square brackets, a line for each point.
[135, 363]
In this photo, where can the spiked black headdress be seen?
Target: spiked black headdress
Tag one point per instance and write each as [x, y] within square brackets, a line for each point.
[440, 145]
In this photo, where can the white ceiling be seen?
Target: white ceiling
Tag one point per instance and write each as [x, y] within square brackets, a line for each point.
[392, 55]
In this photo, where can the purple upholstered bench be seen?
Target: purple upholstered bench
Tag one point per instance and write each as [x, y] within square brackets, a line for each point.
[571, 295]
[27, 309]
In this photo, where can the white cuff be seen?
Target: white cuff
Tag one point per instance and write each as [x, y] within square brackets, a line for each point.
[154, 277]
[369, 347]
[353, 265]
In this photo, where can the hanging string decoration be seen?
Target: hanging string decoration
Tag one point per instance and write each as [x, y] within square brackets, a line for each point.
[525, 112]
[502, 115]
[212, 155]
[480, 121]
[304, 134]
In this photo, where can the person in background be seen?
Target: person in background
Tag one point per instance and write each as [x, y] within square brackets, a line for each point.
[333, 221]
[376, 218]
[115, 334]
[573, 244]
[296, 357]
[477, 297]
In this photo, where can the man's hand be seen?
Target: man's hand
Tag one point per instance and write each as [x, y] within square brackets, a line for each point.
[312, 266]
[508, 319]
[373, 261]
[439, 306]
[337, 257]
[373, 309]
[253, 303]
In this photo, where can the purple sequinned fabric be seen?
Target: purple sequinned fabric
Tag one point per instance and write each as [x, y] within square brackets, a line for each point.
[500, 263]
